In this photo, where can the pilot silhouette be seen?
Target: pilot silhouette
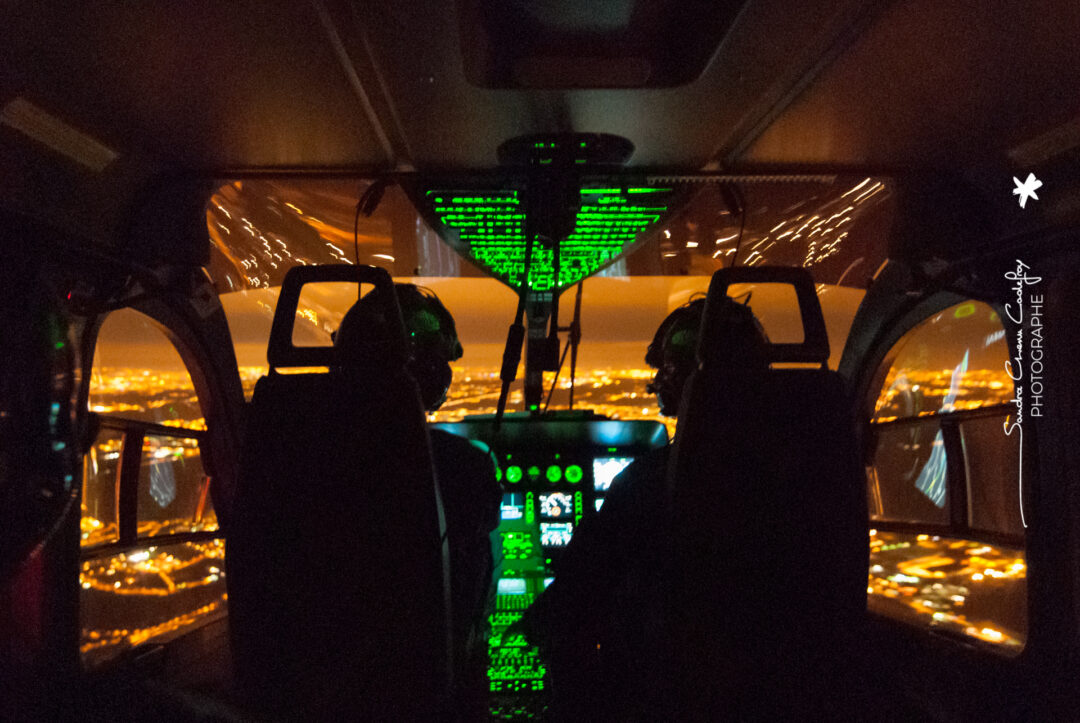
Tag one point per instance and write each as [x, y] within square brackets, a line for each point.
[465, 473]
[599, 624]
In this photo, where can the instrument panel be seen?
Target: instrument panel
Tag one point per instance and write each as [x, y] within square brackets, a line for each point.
[554, 472]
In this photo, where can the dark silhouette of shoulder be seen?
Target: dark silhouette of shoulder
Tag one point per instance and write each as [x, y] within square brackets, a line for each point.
[471, 498]
[466, 474]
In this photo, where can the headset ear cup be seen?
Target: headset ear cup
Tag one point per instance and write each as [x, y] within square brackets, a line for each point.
[654, 355]
[445, 377]
[433, 377]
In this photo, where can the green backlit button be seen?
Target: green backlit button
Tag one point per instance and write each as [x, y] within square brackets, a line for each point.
[534, 473]
[573, 474]
[554, 473]
[498, 474]
[513, 474]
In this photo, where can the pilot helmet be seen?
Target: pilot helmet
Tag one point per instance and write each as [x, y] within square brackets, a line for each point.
[739, 343]
[672, 353]
[432, 337]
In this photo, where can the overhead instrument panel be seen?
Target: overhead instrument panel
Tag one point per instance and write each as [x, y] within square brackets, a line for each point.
[488, 226]
[559, 190]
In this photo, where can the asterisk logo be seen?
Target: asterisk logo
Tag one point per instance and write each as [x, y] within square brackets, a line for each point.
[1027, 188]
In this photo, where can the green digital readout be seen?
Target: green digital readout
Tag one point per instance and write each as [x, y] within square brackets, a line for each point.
[516, 545]
[489, 227]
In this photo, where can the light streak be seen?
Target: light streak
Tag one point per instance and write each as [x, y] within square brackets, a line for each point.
[865, 181]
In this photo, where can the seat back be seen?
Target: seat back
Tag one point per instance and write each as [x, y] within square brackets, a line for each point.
[336, 558]
[770, 548]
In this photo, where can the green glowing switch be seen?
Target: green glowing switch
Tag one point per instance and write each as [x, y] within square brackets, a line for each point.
[513, 474]
[554, 473]
[534, 473]
[573, 474]
[530, 509]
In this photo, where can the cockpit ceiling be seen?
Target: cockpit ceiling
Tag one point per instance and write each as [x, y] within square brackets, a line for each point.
[222, 85]
[937, 84]
[340, 84]
[561, 44]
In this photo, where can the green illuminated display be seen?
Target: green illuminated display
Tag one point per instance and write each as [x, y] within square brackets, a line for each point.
[534, 473]
[530, 508]
[516, 545]
[553, 474]
[489, 227]
[515, 666]
[578, 506]
[513, 474]
[573, 474]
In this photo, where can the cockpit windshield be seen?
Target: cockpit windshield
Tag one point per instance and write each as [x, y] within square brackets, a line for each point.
[648, 225]
[646, 245]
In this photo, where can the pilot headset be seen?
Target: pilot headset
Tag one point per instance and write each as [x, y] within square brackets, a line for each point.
[677, 337]
[432, 338]
[673, 332]
[433, 342]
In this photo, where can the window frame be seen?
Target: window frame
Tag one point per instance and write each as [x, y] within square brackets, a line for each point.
[198, 359]
[869, 380]
[955, 478]
[127, 488]
[134, 432]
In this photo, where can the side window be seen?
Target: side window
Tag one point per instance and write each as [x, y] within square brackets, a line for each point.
[947, 548]
[152, 561]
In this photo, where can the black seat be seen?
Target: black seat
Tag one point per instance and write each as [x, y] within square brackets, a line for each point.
[770, 549]
[337, 557]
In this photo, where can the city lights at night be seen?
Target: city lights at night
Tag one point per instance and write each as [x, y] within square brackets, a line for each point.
[162, 589]
[963, 586]
[155, 593]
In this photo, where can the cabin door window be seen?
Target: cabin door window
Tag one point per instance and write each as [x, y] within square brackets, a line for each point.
[152, 559]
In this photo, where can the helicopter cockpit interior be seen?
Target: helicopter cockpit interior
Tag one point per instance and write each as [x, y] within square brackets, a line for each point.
[193, 197]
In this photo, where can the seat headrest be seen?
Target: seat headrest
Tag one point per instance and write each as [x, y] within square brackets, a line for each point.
[281, 353]
[716, 346]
